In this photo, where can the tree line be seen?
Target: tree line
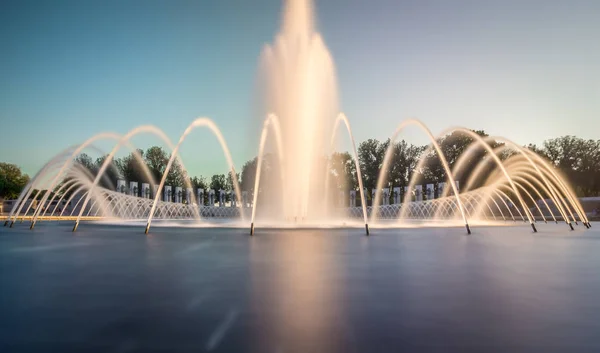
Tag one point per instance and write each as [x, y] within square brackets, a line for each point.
[578, 159]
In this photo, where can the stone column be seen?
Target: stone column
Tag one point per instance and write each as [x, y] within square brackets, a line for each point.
[232, 197]
[441, 187]
[386, 196]
[188, 195]
[211, 198]
[397, 195]
[352, 198]
[178, 194]
[406, 192]
[146, 190]
[133, 188]
[121, 186]
[419, 192]
[221, 198]
[429, 191]
[200, 196]
[167, 193]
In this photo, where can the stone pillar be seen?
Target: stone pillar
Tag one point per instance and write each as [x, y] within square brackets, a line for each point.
[188, 195]
[441, 187]
[221, 198]
[211, 198]
[429, 190]
[232, 197]
[406, 192]
[397, 196]
[419, 192]
[167, 193]
[352, 198]
[145, 190]
[364, 196]
[121, 186]
[178, 194]
[133, 188]
[200, 196]
[386, 196]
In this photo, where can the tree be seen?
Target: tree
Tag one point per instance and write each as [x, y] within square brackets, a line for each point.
[85, 161]
[370, 154]
[12, 181]
[132, 168]
[403, 163]
[343, 171]
[157, 160]
[111, 174]
[453, 146]
[200, 183]
[578, 159]
[218, 182]
[249, 174]
[231, 179]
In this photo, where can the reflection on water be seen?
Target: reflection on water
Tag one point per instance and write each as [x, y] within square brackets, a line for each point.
[425, 290]
[295, 285]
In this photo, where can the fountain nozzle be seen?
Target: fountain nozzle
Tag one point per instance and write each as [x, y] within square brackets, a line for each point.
[468, 228]
[367, 228]
[533, 226]
[571, 225]
[252, 228]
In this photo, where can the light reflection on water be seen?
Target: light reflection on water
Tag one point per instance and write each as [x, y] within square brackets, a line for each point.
[301, 290]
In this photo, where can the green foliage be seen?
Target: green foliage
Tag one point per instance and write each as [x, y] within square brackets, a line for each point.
[343, 171]
[157, 159]
[370, 154]
[578, 159]
[218, 182]
[12, 181]
[249, 174]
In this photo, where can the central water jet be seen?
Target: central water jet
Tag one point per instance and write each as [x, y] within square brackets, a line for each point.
[300, 88]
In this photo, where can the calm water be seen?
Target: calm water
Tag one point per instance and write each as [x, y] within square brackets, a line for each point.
[111, 289]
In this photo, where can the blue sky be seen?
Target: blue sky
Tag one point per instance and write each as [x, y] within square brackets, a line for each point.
[527, 70]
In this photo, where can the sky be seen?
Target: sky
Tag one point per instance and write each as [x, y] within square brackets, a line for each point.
[523, 69]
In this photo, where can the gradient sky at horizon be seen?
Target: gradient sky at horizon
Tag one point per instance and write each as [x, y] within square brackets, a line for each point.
[527, 70]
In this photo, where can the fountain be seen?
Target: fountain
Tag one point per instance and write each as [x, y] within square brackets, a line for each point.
[301, 126]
